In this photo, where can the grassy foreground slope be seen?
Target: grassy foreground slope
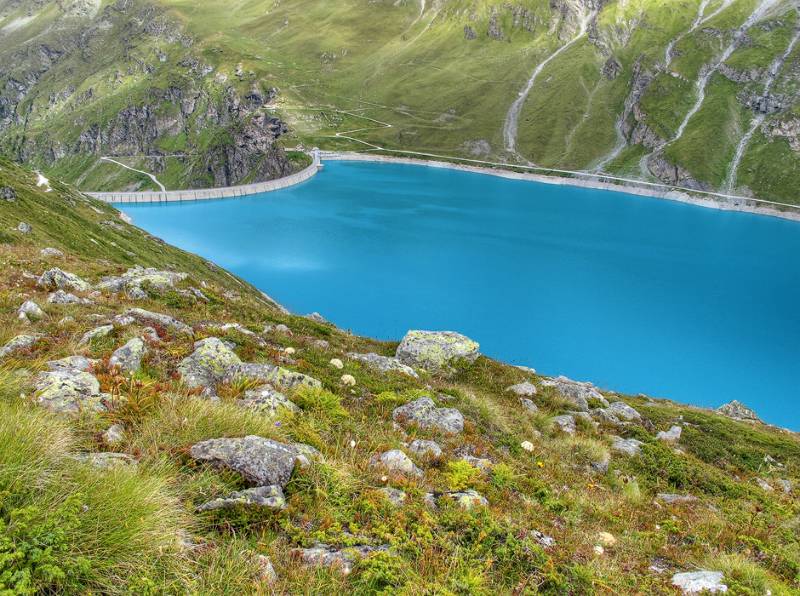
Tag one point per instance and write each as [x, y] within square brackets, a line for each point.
[565, 512]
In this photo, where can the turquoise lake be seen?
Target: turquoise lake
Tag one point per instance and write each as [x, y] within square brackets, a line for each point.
[635, 294]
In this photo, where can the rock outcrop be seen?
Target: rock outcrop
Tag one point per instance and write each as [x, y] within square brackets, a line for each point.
[436, 351]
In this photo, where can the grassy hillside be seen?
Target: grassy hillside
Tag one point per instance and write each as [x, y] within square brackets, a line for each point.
[565, 513]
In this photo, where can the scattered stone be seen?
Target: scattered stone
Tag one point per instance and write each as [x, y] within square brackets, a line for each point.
[270, 497]
[565, 423]
[622, 410]
[123, 320]
[321, 344]
[468, 499]
[128, 358]
[30, 311]
[114, 434]
[95, 333]
[738, 411]
[786, 485]
[271, 374]
[260, 461]
[606, 539]
[24, 228]
[543, 539]
[68, 391]
[62, 297]
[266, 400]
[478, 462]
[525, 389]
[209, 364]
[396, 461]
[577, 393]
[318, 318]
[51, 252]
[423, 448]
[395, 496]
[672, 435]
[531, 407]
[62, 280]
[74, 363]
[336, 363]
[695, 582]
[764, 485]
[436, 351]
[18, 343]
[343, 560]
[7, 193]
[348, 380]
[673, 499]
[150, 335]
[279, 328]
[159, 320]
[383, 364]
[424, 413]
[132, 281]
[600, 466]
[627, 446]
[106, 461]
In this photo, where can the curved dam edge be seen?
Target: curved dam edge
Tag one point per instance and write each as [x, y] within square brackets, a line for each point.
[706, 199]
[205, 194]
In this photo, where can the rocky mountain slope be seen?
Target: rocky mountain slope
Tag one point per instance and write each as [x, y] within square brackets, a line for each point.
[696, 93]
[166, 428]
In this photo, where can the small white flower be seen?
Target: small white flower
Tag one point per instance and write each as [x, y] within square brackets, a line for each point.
[348, 380]
[289, 351]
[527, 446]
[336, 363]
[352, 444]
[599, 550]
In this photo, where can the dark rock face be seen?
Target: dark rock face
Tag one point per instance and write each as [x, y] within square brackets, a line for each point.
[8, 194]
[612, 68]
[469, 33]
[672, 174]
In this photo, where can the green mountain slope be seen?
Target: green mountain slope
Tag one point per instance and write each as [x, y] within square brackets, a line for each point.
[615, 83]
[106, 487]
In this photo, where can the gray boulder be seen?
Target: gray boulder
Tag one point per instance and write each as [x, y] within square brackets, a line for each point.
[62, 297]
[383, 363]
[395, 496]
[738, 411]
[209, 364]
[623, 411]
[396, 461]
[24, 228]
[526, 389]
[7, 193]
[266, 400]
[106, 461]
[159, 320]
[342, 560]
[529, 405]
[424, 413]
[577, 393]
[697, 582]
[260, 461]
[97, 332]
[51, 252]
[565, 423]
[68, 391]
[673, 435]
[436, 351]
[270, 497]
[674, 499]
[30, 311]
[273, 375]
[74, 363]
[423, 448]
[56, 279]
[468, 499]
[18, 343]
[131, 281]
[128, 358]
[627, 446]
[114, 434]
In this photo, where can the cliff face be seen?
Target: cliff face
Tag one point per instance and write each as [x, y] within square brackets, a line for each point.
[129, 82]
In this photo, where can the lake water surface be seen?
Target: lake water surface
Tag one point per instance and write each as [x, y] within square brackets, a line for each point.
[633, 293]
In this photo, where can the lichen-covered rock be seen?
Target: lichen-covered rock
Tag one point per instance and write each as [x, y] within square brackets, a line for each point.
[159, 320]
[266, 572]
[114, 434]
[273, 375]
[526, 389]
[423, 448]
[62, 297]
[481, 463]
[627, 446]
[697, 582]
[95, 333]
[424, 413]
[672, 435]
[395, 496]
[30, 311]
[565, 423]
[18, 343]
[529, 405]
[270, 497]
[51, 253]
[468, 499]
[396, 461]
[266, 400]
[24, 228]
[383, 363]
[128, 358]
[133, 280]
[106, 461]
[342, 560]
[577, 393]
[623, 411]
[68, 391]
[738, 411]
[56, 279]
[260, 461]
[673, 498]
[76, 363]
[436, 351]
[209, 364]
